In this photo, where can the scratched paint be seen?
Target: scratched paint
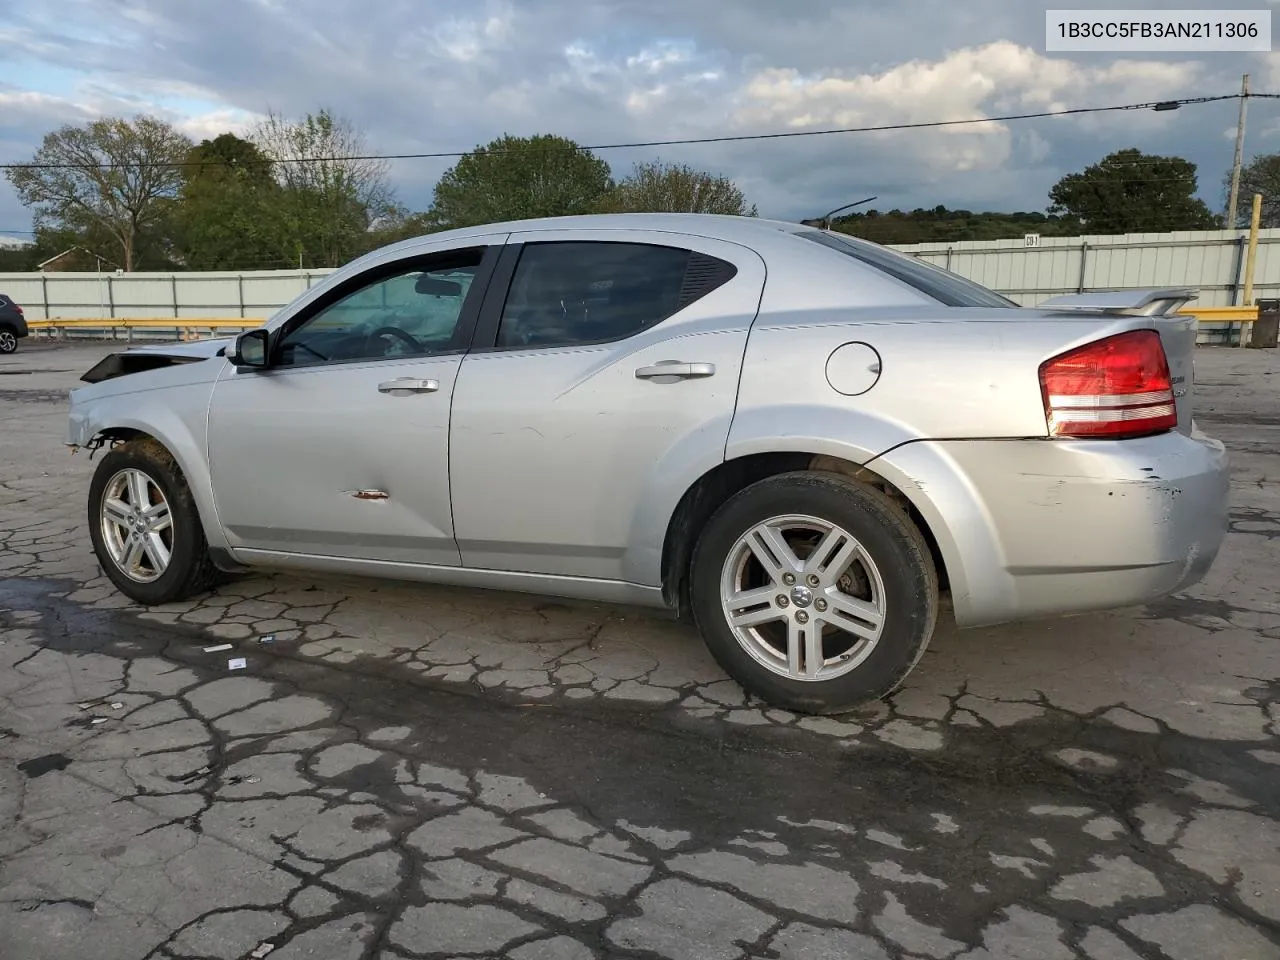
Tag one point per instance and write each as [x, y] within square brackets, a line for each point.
[374, 495]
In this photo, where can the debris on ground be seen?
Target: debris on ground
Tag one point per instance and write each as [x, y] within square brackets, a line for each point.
[239, 663]
[261, 950]
[269, 638]
[39, 766]
[218, 648]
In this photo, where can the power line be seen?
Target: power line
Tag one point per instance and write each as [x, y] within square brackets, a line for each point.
[738, 138]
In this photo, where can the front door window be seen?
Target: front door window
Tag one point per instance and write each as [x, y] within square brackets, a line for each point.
[408, 312]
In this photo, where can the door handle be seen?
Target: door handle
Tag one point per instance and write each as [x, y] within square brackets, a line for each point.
[406, 385]
[675, 370]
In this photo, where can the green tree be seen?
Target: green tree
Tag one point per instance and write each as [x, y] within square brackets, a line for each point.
[517, 178]
[331, 193]
[1130, 192]
[18, 259]
[1261, 175]
[230, 207]
[112, 175]
[655, 187]
[940, 225]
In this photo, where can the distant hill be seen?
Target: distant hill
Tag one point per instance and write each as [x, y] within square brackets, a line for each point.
[940, 225]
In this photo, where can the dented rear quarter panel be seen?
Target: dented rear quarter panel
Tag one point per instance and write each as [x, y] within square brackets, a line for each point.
[1032, 528]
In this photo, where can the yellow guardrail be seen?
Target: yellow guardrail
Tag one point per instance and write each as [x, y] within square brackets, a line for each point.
[1222, 314]
[185, 328]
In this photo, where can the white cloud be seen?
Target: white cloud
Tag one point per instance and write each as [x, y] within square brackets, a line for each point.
[995, 79]
[470, 39]
[209, 125]
[660, 56]
[1265, 75]
[16, 105]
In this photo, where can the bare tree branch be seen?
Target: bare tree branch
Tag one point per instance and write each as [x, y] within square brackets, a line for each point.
[331, 200]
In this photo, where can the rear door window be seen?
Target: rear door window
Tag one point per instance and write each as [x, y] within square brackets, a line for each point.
[570, 293]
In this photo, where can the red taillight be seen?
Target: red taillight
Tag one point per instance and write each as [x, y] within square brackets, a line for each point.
[18, 308]
[1114, 388]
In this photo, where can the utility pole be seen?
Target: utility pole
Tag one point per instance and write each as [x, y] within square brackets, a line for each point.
[1235, 166]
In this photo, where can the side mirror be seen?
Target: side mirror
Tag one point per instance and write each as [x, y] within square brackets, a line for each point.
[250, 349]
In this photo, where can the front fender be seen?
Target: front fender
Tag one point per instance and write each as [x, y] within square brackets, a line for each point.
[176, 418]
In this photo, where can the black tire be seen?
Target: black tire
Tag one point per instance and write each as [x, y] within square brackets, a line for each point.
[894, 544]
[190, 570]
[8, 338]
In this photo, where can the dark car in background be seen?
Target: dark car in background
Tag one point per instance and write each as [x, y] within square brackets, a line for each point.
[13, 325]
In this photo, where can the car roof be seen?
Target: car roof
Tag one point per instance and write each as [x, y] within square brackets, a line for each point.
[719, 226]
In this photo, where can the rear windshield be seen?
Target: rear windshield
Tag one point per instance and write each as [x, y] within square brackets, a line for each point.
[942, 285]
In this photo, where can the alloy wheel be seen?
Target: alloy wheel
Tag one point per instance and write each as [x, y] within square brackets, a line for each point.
[803, 597]
[137, 526]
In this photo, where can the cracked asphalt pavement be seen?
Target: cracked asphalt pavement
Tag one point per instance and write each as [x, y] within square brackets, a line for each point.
[403, 771]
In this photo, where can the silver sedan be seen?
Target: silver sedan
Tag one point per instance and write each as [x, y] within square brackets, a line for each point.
[799, 440]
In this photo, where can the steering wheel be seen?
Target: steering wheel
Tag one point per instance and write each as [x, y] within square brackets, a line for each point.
[399, 334]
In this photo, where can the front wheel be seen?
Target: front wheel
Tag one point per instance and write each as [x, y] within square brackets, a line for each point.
[815, 593]
[145, 528]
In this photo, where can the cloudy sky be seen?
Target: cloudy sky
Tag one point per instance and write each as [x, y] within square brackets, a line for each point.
[429, 75]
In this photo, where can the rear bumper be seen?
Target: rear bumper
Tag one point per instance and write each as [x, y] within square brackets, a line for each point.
[1033, 528]
[15, 323]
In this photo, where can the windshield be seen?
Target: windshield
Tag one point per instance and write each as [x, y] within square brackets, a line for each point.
[942, 285]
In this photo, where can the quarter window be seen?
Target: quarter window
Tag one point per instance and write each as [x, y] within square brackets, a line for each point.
[595, 292]
[408, 311]
[942, 285]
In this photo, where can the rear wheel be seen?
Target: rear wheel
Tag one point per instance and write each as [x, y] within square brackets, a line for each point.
[145, 528]
[8, 340]
[815, 593]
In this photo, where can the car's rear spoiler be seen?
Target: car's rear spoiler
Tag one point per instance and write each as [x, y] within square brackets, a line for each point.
[1143, 302]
